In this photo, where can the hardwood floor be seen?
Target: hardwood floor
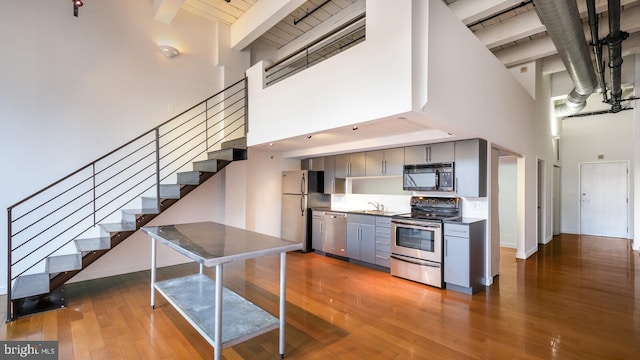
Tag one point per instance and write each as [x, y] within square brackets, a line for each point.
[577, 298]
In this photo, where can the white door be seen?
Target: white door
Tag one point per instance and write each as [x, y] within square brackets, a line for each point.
[603, 199]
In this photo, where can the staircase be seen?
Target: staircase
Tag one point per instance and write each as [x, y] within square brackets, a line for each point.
[48, 256]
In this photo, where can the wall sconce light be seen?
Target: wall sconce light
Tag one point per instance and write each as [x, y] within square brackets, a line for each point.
[169, 51]
[76, 5]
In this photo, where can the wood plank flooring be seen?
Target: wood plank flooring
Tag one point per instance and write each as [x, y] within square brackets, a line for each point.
[577, 298]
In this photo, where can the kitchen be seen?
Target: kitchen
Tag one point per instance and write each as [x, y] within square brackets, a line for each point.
[397, 210]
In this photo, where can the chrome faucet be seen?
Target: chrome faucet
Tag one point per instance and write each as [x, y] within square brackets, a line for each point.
[377, 205]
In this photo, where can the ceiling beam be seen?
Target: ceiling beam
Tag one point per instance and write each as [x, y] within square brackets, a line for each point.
[528, 51]
[261, 17]
[543, 46]
[337, 20]
[513, 29]
[469, 11]
[166, 10]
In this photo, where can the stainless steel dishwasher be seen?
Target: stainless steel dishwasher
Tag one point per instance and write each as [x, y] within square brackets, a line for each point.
[334, 236]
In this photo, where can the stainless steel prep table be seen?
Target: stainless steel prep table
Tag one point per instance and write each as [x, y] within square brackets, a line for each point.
[213, 244]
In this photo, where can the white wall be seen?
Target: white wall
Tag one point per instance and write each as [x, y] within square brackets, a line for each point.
[351, 87]
[496, 106]
[636, 152]
[583, 140]
[73, 89]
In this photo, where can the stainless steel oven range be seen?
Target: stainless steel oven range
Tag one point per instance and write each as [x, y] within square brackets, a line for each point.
[416, 239]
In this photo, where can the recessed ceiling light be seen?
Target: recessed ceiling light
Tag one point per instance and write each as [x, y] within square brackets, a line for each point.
[270, 144]
[354, 128]
[308, 136]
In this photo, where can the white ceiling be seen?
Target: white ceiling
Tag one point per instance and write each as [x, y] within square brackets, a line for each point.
[510, 29]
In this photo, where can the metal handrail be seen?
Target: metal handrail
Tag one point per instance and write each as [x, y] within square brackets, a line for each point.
[305, 52]
[46, 221]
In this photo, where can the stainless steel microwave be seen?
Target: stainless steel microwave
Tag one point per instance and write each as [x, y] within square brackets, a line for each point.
[429, 177]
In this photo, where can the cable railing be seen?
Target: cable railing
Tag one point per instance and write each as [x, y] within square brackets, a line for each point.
[340, 39]
[45, 223]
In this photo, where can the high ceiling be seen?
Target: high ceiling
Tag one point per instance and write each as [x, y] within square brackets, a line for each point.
[510, 29]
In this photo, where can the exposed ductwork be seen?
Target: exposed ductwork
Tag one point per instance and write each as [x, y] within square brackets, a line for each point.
[564, 26]
[614, 42]
[597, 48]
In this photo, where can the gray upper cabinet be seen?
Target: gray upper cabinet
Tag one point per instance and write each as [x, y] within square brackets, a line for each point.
[313, 164]
[384, 162]
[332, 185]
[431, 153]
[349, 165]
[471, 168]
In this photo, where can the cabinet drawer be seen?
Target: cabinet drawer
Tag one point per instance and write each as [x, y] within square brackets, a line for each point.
[382, 258]
[456, 230]
[383, 231]
[361, 219]
[383, 221]
[383, 245]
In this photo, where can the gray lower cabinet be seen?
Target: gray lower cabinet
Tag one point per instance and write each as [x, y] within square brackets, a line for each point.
[361, 238]
[464, 256]
[316, 230]
[383, 240]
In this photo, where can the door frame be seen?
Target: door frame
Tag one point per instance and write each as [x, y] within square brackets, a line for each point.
[628, 189]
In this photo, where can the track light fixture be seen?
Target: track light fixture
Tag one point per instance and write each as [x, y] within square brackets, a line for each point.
[76, 5]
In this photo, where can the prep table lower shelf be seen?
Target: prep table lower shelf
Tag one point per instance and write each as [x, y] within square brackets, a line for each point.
[193, 296]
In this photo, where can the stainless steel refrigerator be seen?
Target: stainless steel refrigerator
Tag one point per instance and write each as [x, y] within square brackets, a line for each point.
[301, 191]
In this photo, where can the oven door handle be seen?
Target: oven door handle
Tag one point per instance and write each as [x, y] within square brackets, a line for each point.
[417, 224]
[415, 261]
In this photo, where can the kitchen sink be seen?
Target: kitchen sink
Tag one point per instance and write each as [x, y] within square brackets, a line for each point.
[375, 212]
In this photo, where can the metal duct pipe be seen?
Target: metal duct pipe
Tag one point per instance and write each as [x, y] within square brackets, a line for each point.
[614, 42]
[562, 20]
[597, 48]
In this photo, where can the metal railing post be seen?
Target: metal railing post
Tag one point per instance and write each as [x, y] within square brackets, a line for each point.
[9, 246]
[93, 176]
[246, 106]
[157, 133]
[206, 124]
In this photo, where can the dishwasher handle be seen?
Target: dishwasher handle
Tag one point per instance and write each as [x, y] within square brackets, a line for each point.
[335, 215]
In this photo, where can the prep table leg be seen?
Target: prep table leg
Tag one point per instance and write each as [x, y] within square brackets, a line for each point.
[217, 337]
[153, 272]
[283, 292]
